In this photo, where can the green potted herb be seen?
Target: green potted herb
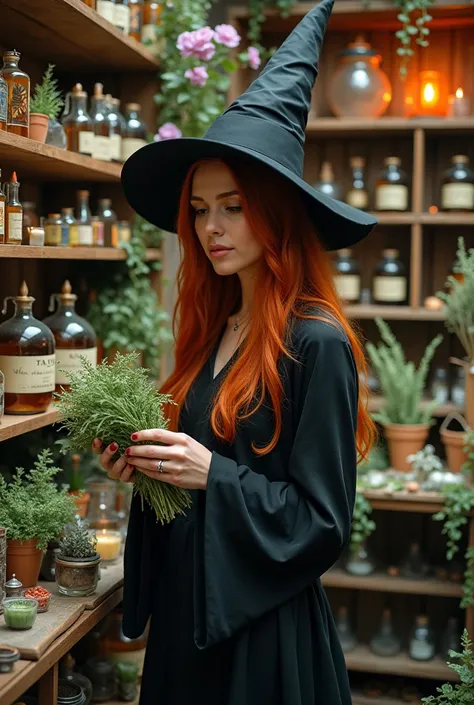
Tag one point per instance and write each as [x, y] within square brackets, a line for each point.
[460, 693]
[127, 676]
[77, 562]
[45, 104]
[34, 511]
[405, 420]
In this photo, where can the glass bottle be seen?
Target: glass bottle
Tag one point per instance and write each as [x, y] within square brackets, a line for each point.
[326, 183]
[2, 211]
[451, 639]
[70, 228]
[66, 672]
[389, 284]
[136, 19]
[98, 113]
[122, 16]
[124, 232]
[97, 231]
[414, 564]
[422, 640]
[108, 217]
[385, 642]
[18, 82]
[89, 3]
[53, 230]
[391, 188]
[78, 124]
[458, 389]
[359, 561]
[116, 124]
[346, 635]
[358, 196]
[151, 20]
[30, 220]
[439, 385]
[26, 358]
[3, 103]
[457, 190]
[134, 133]
[347, 279]
[73, 335]
[84, 219]
[13, 213]
[106, 9]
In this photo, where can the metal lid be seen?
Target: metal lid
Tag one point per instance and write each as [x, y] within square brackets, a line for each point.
[13, 583]
[359, 47]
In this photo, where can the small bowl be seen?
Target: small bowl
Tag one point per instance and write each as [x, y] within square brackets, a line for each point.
[8, 656]
[20, 612]
[43, 602]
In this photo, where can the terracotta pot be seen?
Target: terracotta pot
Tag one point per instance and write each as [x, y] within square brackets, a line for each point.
[469, 394]
[81, 502]
[38, 127]
[403, 440]
[24, 559]
[454, 443]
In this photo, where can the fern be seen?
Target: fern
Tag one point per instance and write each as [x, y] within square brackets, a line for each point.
[47, 99]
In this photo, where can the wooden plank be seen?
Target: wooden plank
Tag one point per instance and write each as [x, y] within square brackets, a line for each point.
[70, 253]
[416, 264]
[381, 582]
[418, 502]
[462, 219]
[48, 687]
[362, 659]
[386, 125]
[358, 699]
[71, 35]
[14, 679]
[393, 313]
[376, 402]
[13, 425]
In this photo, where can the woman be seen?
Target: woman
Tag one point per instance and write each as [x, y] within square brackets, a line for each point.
[270, 414]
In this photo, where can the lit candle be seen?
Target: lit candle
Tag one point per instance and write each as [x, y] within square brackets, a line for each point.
[108, 544]
[458, 104]
[433, 98]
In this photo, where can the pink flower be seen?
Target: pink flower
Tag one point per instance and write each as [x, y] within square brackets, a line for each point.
[198, 75]
[227, 35]
[168, 131]
[198, 44]
[254, 57]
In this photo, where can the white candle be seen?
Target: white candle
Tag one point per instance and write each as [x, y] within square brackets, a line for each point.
[458, 104]
[108, 544]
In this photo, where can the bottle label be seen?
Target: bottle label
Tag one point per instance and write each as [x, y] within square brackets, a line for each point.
[28, 374]
[86, 143]
[18, 113]
[101, 148]
[114, 237]
[348, 286]
[358, 198]
[390, 289]
[115, 147]
[130, 145]
[14, 227]
[85, 235]
[135, 19]
[106, 9]
[2, 221]
[73, 235]
[3, 102]
[65, 235]
[98, 233]
[122, 18]
[458, 196]
[52, 234]
[70, 361]
[391, 197]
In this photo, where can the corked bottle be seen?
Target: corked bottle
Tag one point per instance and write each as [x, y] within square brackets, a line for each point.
[78, 124]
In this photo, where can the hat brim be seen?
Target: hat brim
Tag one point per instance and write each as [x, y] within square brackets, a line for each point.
[152, 179]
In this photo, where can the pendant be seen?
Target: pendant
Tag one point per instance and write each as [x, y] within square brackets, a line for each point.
[236, 326]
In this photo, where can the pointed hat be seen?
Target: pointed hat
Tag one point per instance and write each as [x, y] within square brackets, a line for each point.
[266, 123]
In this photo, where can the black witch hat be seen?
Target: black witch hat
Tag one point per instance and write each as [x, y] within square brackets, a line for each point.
[266, 123]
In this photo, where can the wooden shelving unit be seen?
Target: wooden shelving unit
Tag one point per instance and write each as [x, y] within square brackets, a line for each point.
[12, 425]
[385, 126]
[393, 313]
[376, 402]
[380, 582]
[362, 659]
[70, 253]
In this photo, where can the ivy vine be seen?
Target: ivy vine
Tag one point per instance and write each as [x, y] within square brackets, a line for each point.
[362, 525]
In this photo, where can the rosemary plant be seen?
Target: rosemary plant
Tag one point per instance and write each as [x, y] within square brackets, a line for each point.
[47, 99]
[110, 402]
[461, 693]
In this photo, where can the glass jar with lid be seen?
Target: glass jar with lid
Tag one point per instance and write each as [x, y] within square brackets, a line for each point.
[457, 191]
[347, 278]
[391, 188]
[53, 230]
[389, 284]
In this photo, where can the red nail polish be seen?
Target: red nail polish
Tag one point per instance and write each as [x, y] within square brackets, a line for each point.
[113, 447]
[128, 451]
[134, 436]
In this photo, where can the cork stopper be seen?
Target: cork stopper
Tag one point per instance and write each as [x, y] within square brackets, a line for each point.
[345, 252]
[392, 253]
[78, 91]
[327, 173]
[460, 159]
[133, 106]
[99, 90]
[422, 620]
[395, 161]
[11, 55]
[66, 295]
[357, 162]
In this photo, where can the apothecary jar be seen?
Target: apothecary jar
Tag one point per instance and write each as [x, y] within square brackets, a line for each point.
[359, 87]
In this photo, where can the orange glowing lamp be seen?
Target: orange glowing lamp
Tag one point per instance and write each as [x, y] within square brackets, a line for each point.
[433, 94]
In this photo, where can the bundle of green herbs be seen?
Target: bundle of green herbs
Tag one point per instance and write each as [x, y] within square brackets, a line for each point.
[110, 402]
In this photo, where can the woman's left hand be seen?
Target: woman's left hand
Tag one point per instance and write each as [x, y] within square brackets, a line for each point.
[185, 464]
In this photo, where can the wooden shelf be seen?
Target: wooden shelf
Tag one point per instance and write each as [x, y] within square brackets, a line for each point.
[465, 219]
[376, 402]
[327, 126]
[13, 425]
[71, 35]
[417, 502]
[362, 659]
[71, 253]
[395, 218]
[34, 159]
[358, 699]
[381, 582]
[393, 313]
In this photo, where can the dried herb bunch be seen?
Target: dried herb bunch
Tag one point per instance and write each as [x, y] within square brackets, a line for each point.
[110, 402]
[78, 542]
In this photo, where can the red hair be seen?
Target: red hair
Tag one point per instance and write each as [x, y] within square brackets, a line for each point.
[296, 274]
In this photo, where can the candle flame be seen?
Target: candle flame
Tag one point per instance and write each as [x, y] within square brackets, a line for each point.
[459, 93]
[429, 93]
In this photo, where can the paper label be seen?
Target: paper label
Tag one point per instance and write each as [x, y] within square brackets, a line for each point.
[98, 233]
[101, 148]
[70, 361]
[86, 143]
[85, 235]
[2, 220]
[348, 286]
[391, 197]
[52, 234]
[14, 225]
[130, 145]
[3, 102]
[106, 9]
[73, 235]
[390, 289]
[122, 18]
[358, 198]
[19, 113]
[458, 196]
[115, 147]
[28, 374]
[65, 235]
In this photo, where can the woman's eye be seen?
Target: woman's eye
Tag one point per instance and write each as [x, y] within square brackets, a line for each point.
[199, 211]
[234, 209]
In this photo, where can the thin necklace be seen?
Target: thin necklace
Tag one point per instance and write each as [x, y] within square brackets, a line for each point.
[238, 323]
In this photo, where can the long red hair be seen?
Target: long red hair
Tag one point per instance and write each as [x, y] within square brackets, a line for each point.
[295, 274]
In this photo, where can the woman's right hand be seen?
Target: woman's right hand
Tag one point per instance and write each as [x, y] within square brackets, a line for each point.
[118, 469]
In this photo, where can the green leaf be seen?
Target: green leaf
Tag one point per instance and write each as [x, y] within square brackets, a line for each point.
[182, 98]
[228, 65]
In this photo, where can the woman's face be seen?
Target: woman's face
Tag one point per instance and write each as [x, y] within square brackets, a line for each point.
[220, 222]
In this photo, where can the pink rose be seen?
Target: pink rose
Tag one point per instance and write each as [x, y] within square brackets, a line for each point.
[254, 57]
[198, 44]
[168, 131]
[198, 76]
[227, 35]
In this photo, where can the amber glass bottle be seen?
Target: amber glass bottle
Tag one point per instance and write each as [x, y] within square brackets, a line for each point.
[391, 188]
[26, 358]
[98, 113]
[108, 217]
[73, 335]
[357, 195]
[78, 124]
[136, 19]
[389, 285]
[134, 133]
[84, 223]
[18, 82]
[3, 103]
[2, 211]
[151, 20]
[347, 278]
[13, 214]
[457, 191]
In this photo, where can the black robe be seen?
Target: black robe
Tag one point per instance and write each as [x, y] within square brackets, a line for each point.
[238, 613]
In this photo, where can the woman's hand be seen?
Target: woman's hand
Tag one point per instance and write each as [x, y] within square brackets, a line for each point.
[185, 461]
[118, 470]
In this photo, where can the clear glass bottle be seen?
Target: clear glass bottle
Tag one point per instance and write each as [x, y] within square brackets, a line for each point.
[151, 20]
[458, 389]
[414, 564]
[109, 218]
[134, 134]
[106, 9]
[422, 640]
[358, 196]
[385, 642]
[2, 212]
[391, 188]
[74, 336]
[26, 358]
[116, 124]
[457, 190]
[389, 283]
[78, 124]
[70, 228]
[122, 16]
[98, 113]
[124, 232]
[439, 385]
[451, 639]
[3, 103]
[97, 231]
[346, 635]
[136, 19]
[18, 82]
[84, 223]
[13, 213]
[326, 183]
[359, 561]
[347, 279]
[30, 220]
[53, 230]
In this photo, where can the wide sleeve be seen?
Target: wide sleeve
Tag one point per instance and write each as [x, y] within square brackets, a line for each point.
[260, 543]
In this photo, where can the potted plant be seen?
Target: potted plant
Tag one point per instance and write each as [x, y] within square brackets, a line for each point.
[454, 441]
[405, 420]
[77, 562]
[45, 104]
[461, 693]
[34, 511]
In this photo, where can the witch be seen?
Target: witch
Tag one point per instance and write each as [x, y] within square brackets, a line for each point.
[271, 412]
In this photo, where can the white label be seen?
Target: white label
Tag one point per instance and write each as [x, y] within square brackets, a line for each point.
[130, 145]
[115, 147]
[391, 197]
[14, 224]
[2, 219]
[358, 198]
[85, 234]
[101, 148]
[122, 18]
[458, 196]
[70, 361]
[390, 289]
[420, 650]
[86, 143]
[106, 9]
[348, 286]
[28, 374]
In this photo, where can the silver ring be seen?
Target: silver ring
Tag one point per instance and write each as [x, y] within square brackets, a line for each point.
[160, 466]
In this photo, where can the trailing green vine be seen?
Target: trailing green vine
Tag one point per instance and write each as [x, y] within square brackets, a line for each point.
[362, 525]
